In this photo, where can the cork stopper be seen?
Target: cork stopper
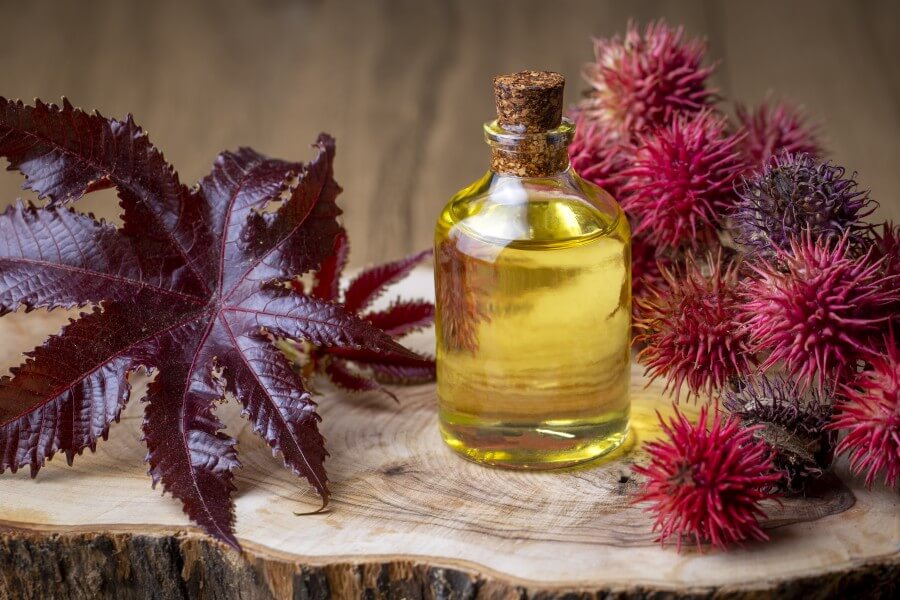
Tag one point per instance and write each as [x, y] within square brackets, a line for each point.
[529, 101]
[529, 138]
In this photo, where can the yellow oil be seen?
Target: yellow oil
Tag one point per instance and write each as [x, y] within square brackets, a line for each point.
[533, 323]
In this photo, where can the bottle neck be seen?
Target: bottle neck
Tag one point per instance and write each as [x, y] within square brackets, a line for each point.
[541, 154]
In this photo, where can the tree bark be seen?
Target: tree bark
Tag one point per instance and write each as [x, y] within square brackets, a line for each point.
[86, 566]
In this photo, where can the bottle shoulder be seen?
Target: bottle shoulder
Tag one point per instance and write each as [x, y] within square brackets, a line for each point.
[560, 210]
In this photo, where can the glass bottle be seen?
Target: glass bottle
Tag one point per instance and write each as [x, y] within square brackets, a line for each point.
[533, 284]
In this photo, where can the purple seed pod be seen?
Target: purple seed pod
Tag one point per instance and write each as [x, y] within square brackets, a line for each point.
[795, 193]
[794, 426]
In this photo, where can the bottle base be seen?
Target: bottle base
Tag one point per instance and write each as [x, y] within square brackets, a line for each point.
[542, 446]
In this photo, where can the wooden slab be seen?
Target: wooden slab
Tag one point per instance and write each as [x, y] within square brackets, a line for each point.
[409, 519]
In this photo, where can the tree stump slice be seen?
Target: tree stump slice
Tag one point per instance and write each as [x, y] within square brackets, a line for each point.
[409, 519]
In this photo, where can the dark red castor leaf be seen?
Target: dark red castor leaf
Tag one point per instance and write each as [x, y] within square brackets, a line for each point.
[365, 369]
[192, 286]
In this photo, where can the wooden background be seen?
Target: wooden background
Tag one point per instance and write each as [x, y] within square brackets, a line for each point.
[404, 85]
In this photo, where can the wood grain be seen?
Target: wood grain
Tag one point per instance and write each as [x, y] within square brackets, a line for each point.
[410, 519]
[404, 85]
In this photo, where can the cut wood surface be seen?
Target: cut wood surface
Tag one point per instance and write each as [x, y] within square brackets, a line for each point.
[410, 519]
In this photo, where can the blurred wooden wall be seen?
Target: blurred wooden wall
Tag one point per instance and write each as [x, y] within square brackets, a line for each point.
[404, 85]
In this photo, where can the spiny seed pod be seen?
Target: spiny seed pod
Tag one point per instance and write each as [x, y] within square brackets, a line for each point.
[869, 412]
[817, 309]
[886, 246]
[707, 482]
[796, 193]
[774, 129]
[597, 154]
[794, 426]
[690, 329]
[643, 81]
[681, 182]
